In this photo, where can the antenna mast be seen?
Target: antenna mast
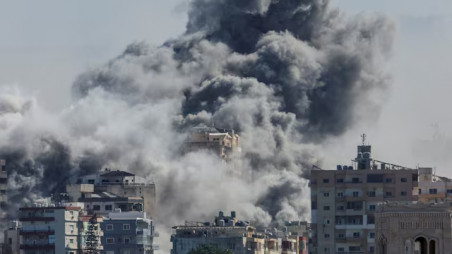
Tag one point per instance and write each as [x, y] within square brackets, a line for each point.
[363, 136]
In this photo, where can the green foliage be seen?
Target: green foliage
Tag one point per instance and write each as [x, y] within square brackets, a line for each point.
[209, 249]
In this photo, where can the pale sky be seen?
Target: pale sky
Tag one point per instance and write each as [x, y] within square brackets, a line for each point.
[45, 44]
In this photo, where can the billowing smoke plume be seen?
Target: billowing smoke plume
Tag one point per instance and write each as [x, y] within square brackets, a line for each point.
[285, 74]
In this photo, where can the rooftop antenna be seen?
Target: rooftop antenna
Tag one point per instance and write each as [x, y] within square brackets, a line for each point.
[363, 136]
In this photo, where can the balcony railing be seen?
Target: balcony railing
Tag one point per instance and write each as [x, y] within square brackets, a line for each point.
[37, 246]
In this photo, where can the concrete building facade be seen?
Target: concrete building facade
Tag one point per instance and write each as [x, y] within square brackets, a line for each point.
[11, 238]
[110, 189]
[222, 142]
[414, 228]
[343, 202]
[227, 232]
[128, 233]
[49, 230]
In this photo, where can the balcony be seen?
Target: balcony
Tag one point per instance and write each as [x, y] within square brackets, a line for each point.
[37, 232]
[37, 218]
[47, 246]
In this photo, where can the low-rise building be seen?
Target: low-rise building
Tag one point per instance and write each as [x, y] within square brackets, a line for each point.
[413, 228]
[227, 232]
[128, 232]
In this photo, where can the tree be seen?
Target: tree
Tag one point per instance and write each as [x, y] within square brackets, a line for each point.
[209, 249]
[91, 238]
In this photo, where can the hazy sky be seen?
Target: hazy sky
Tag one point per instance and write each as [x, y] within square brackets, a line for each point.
[45, 44]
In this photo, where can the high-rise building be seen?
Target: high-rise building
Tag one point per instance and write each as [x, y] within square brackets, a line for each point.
[222, 142]
[343, 202]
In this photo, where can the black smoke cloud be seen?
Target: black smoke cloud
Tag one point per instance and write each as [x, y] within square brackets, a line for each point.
[286, 74]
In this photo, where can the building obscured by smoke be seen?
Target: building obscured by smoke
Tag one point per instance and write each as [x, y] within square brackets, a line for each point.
[286, 75]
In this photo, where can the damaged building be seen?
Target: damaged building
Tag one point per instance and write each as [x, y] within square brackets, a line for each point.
[110, 190]
[222, 142]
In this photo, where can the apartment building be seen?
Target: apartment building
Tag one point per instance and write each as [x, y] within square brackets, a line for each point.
[49, 229]
[222, 142]
[11, 238]
[227, 232]
[111, 189]
[128, 233]
[343, 201]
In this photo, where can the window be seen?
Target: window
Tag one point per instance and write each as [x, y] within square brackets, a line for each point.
[71, 240]
[356, 234]
[371, 194]
[91, 181]
[326, 194]
[355, 194]
[326, 180]
[375, 178]
[126, 240]
[327, 236]
[96, 207]
[313, 205]
[432, 191]
[403, 180]
[326, 208]
[126, 227]
[403, 193]
[109, 227]
[389, 180]
[372, 235]
[388, 194]
[420, 191]
[341, 236]
[110, 240]
[414, 177]
[372, 207]
[340, 208]
[108, 207]
[354, 248]
[370, 219]
[340, 194]
[356, 180]
[449, 191]
[327, 250]
[341, 249]
[340, 180]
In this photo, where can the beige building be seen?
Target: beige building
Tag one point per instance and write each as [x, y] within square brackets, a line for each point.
[344, 202]
[221, 141]
[416, 228]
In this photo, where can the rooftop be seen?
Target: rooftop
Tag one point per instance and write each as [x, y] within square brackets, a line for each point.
[118, 173]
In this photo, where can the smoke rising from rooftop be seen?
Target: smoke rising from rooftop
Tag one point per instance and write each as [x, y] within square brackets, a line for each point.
[285, 74]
